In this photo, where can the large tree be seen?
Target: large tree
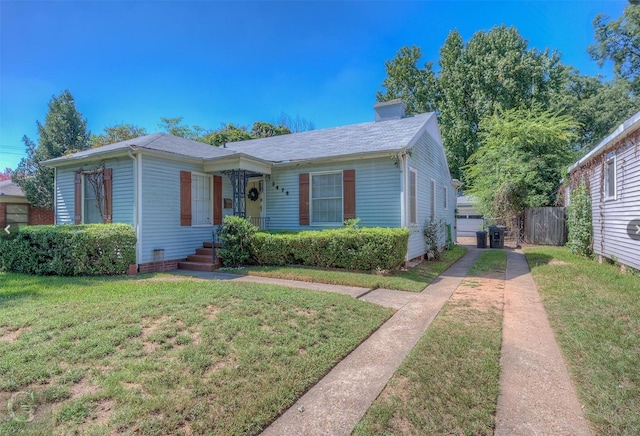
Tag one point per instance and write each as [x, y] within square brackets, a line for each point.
[494, 70]
[619, 41]
[117, 133]
[521, 161]
[64, 131]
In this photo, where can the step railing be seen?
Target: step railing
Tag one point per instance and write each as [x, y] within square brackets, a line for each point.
[262, 223]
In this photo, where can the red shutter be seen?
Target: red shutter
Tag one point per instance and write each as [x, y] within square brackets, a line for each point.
[108, 192]
[77, 200]
[349, 194]
[185, 198]
[304, 198]
[217, 200]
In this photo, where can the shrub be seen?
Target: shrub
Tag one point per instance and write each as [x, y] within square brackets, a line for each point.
[434, 236]
[579, 221]
[236, 235]
[69, 250]
[350, 248]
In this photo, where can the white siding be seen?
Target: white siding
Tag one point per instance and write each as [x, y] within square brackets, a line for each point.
[377, 193]
[610, 217]
[122, 196]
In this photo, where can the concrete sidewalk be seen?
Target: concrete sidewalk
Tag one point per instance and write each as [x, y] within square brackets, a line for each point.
[337, 402]
[536, 394]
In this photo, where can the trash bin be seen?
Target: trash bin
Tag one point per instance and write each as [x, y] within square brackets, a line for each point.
[481, 239]
[496, 236]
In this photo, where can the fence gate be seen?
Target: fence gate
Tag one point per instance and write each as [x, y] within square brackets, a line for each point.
[545, 225]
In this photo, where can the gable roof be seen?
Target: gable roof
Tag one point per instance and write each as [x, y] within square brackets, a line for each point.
[370, 137]
[10, 188]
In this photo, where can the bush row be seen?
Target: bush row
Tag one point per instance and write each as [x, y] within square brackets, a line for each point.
[69, 250]
[349, 247]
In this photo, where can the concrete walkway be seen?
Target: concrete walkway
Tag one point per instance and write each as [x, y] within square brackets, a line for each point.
[536, 394]
[337, 402]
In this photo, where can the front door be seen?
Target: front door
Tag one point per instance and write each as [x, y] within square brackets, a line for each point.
[254, 201]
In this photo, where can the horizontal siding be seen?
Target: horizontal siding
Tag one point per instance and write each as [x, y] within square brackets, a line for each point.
[378, 184]
[160, 220]
[611, 217]
[428, 158]
[122, 197]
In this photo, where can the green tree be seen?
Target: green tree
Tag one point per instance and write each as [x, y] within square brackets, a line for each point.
[596, 106]
[415, 85]
[521, 161]
[117, 133]
[494, 70]
[579, 221]
[261, 129]
[64, 131]
[619, 42]
[228, 133]
[174, 127]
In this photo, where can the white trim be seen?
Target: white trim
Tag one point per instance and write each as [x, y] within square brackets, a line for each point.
[415, 197]
[139, 208]
[55, 196]
[328, 223]
[193, 215]
[402, 163]
[610, 159]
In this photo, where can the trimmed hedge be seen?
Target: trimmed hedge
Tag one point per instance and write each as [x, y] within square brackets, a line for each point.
[349, 248]
[69, 250]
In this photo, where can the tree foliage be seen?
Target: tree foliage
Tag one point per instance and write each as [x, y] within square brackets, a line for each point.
[295, 124]
[117, 133]
[6, 174]
[494, 70]
[579, 221]
[521, 162]
[64, 131]
[619, 41]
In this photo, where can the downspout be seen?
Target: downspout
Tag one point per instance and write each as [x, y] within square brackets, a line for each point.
[136, 203]
[402, 164]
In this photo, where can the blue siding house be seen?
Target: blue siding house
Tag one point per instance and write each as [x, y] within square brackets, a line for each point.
[388, 173]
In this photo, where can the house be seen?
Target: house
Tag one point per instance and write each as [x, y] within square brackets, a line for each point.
[15, 209]
[612, 173]
[388, 173]
[468, 219]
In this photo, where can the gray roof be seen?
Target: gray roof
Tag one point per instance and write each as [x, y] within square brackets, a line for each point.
[9, 187]
[162, 142]
[371, 137]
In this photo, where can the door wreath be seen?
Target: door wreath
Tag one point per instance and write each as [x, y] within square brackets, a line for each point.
[253, 194]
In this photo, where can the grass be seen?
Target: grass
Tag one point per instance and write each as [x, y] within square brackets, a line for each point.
[164, 355]
[413, 279]
[449, 382]
[594, 311]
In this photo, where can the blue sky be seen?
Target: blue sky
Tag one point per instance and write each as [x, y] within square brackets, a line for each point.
[217, 62]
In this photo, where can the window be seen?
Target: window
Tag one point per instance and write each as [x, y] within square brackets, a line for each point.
[326, 198]
[201, 209]
[17, 215]
[413, 196]
[444, 197]
[93, 198]
[432, 208]
[610, 177]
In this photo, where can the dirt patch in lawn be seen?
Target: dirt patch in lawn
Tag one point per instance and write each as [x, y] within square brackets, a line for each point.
[12, 335]
[83, 388]
[483, 294]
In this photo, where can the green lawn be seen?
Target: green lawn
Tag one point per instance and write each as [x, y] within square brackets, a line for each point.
[449, 382]
[414, 279]
[594, 311]
[163, 354]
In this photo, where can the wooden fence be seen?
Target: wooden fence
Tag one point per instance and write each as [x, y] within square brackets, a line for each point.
[545, 225]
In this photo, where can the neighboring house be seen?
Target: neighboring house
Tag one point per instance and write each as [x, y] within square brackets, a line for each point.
[388, 173]
[16, 211]
[468, 219]
[612, 173]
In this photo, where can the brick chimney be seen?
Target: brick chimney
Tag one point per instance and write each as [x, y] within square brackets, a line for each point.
[390, 110]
